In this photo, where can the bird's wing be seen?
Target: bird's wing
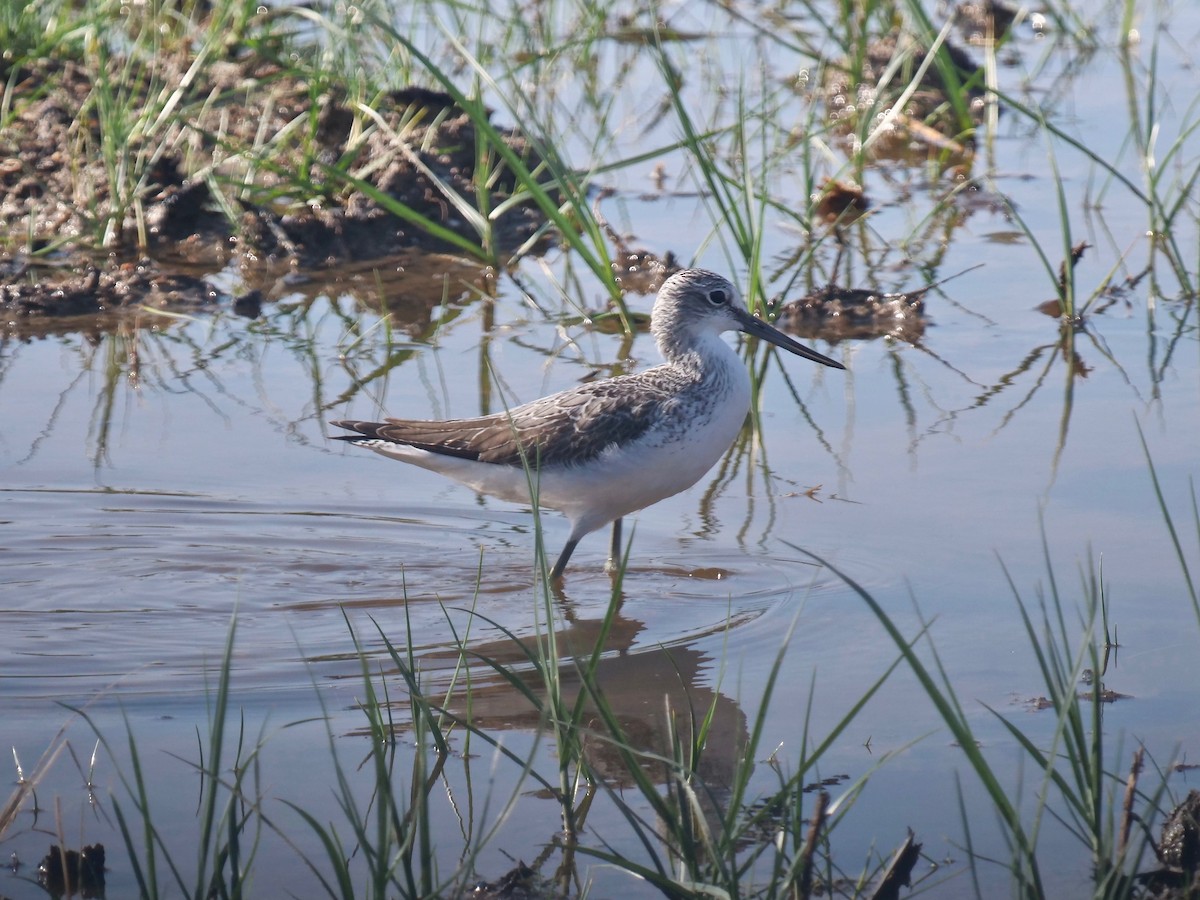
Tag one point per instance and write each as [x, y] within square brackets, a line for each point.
[566, 428]
[465, 438]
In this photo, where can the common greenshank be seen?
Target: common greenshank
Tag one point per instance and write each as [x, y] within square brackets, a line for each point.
[604, 449]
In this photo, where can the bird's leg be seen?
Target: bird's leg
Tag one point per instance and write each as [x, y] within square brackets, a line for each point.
[563, 559]
[614, 548]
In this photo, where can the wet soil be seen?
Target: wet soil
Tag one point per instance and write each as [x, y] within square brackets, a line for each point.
[98, 219]
[247, 162]
[947, 99]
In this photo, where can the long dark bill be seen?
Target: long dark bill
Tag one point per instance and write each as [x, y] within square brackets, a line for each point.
[761, 329]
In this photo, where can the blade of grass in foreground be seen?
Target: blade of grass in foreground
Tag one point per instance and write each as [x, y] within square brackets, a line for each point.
[941, 694]
[1077, 789]
[229, 817]
[1170, 522]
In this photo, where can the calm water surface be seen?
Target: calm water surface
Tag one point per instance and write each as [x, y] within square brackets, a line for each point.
[160, 481]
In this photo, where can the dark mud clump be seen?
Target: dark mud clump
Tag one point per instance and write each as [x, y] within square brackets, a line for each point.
[318, 194]
[73, 872]
[836, 314]
[333, 192]
[241, 158]
[422, 151]
[1178, 850]
[879, 80]
[520, 882]
[984, 21]
[28, 305]
[917, 103]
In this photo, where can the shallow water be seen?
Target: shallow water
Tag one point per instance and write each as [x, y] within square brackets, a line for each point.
[159, 481]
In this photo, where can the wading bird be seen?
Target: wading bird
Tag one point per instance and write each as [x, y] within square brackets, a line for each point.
[601, 450]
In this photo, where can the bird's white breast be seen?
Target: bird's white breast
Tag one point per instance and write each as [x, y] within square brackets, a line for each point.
[699, 428]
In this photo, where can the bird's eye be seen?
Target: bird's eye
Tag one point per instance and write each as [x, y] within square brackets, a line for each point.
[717, 297]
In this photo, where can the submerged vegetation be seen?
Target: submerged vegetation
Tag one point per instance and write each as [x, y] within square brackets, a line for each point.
[144, 142]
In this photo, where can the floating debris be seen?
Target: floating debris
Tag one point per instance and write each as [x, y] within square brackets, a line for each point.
[984, 21]
[837, 314]
[840, 202]
[926, 120]
[67, 872]
[102, 292]
[1178, 852]
[518, 882]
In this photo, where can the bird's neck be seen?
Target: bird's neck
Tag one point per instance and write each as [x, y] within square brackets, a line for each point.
[702, 357]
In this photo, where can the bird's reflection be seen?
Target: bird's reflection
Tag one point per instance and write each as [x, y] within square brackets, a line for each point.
[654, 697]
[644, 687]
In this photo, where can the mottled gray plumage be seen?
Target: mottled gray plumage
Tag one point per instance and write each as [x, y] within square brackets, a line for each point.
[569, 428]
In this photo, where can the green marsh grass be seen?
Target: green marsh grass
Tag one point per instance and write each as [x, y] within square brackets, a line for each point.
[362, 52]
[705, 838]
[135, 106]
[1168, 176]
[1177, 544]
[1074, 783]
[230, 817]
[390, 835]
[562, 198]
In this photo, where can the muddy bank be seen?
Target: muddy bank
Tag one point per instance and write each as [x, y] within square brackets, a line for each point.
[322, 187]
[110, 181]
